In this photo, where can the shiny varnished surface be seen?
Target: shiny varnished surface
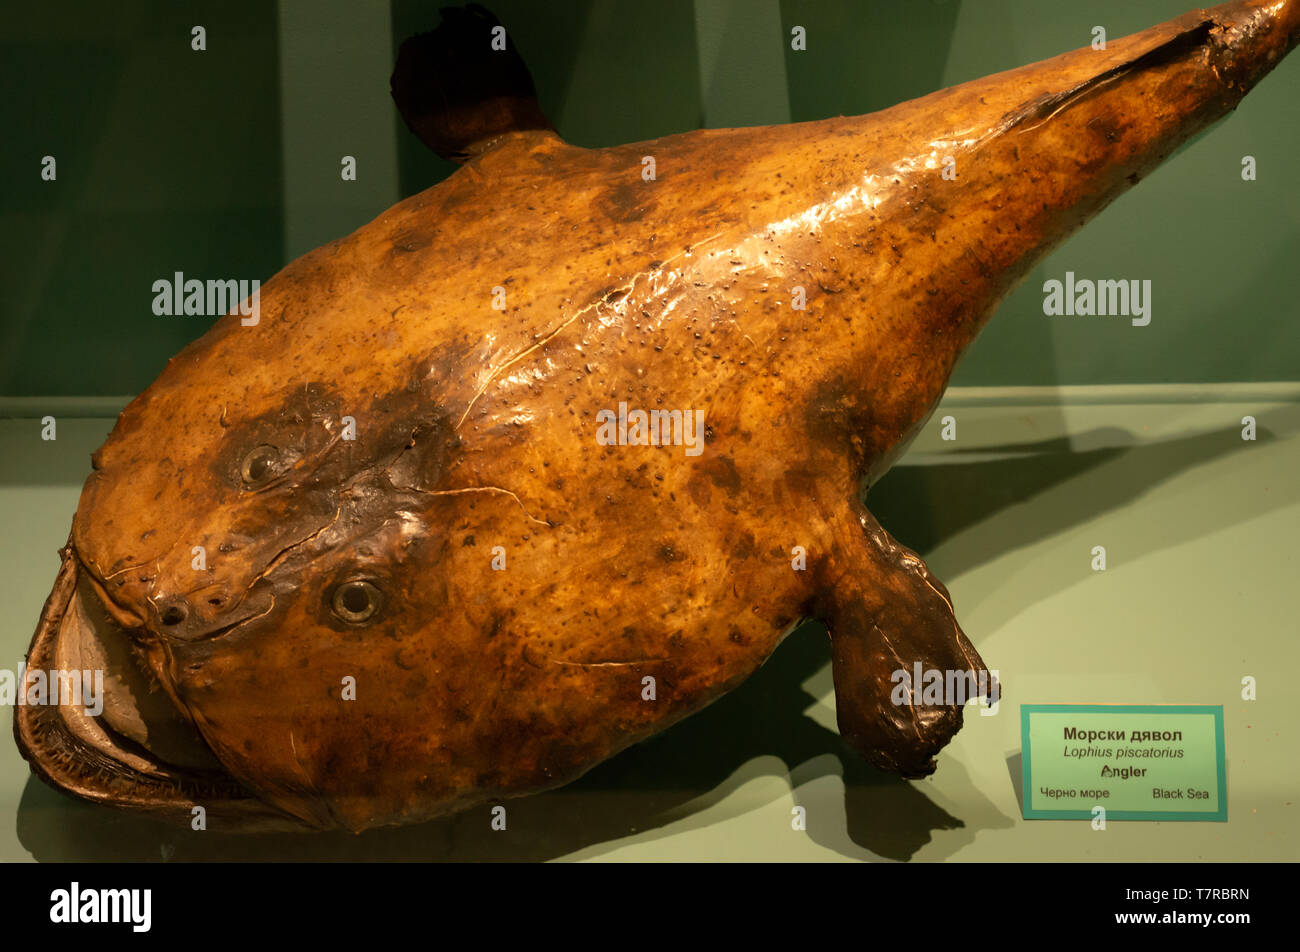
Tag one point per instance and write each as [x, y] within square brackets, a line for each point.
[476, 428]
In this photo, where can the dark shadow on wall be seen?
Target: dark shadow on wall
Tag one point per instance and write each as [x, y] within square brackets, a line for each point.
[922, 506]
[761, 728]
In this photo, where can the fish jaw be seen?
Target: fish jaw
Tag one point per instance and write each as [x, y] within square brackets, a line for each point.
[137, 750]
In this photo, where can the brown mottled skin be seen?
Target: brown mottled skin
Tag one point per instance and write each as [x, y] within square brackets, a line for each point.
[476, 428]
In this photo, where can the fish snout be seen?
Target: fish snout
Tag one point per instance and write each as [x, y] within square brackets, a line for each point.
[206, 613]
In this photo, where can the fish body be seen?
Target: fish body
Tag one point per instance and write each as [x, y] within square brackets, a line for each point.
[554, 453]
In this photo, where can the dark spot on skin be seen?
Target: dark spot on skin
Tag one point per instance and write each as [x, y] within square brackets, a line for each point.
[421, 444]
[1106, 127]
[737, 636]
[835, 414]
[511, 432]
[745, 547]
[288, 428]
[668, 554]
[417, 687]
[801, 481]
[467, 541]
[406, 243]
[722, 472]
[982, 266]
[629, 200]
[700, 491]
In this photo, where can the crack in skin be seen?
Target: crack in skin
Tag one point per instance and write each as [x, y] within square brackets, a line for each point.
[477, 489]
[1187, 39]
[911, 705]
[131, 568]
[923, 573]
[311, 784]
[625, 288]
[227, 629]
[284, 553]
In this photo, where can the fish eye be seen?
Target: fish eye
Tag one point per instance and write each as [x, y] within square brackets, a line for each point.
[260, 466]
[356, 601]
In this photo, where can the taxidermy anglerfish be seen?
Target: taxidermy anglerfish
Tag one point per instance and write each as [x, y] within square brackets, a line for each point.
[553, 454]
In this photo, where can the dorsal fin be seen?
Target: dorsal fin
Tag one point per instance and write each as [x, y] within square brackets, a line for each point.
[457, 92]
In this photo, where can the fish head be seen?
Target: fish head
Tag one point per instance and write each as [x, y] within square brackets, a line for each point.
[260, 575]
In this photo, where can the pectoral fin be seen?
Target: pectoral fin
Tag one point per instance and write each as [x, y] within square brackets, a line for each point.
[887, 614]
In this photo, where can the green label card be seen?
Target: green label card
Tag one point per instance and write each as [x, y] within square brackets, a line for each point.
[1139, 761]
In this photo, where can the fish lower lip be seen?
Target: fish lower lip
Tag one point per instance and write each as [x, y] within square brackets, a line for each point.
[139, 751]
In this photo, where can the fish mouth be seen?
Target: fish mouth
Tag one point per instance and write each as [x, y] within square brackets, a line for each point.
[122, 741]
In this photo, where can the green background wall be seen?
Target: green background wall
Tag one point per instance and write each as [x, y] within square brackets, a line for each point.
[225, 163]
